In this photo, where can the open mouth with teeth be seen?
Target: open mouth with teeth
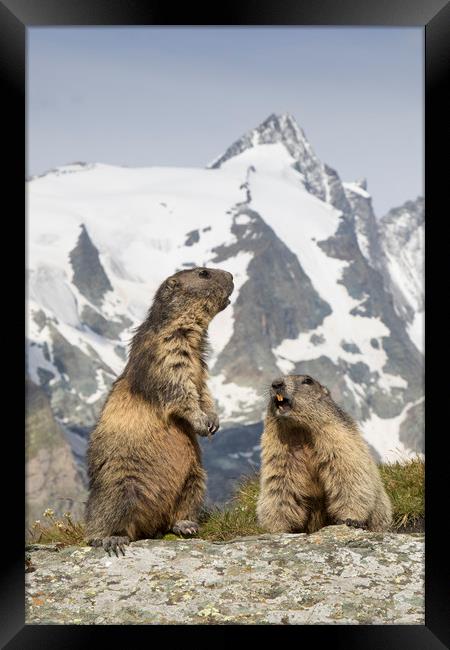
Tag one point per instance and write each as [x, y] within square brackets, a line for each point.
[225, 304]
[282, 403]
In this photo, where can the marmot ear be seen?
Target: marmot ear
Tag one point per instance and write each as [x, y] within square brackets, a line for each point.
[325, 390]
[172, 283]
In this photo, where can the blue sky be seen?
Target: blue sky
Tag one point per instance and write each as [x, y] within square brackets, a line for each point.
[180, 96]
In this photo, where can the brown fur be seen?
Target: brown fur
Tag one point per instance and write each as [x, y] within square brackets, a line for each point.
[144, 460]
[316, 468]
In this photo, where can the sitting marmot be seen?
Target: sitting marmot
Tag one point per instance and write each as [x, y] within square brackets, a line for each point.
[316, 468]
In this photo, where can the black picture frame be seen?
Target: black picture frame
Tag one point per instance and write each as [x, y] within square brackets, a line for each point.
[434, 16]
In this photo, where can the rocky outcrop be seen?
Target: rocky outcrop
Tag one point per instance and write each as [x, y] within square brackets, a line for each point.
[394, 245]
[411, 429]
[111, 329]
[364, 283]
[402, 240]
[51, 472]
[336, 576]
[88, 273]
[79, 372]
[265, 316]
[366, 224]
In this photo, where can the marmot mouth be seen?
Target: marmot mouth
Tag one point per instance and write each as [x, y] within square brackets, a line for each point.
[225, 304]
[282, 403]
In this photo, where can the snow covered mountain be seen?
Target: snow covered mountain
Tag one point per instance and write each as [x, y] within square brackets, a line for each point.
[402, 240]
[395, 246]
[319, 287]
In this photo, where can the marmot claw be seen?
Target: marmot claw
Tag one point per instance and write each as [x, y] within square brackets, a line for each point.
[213, 422]
[353, 523]
[185, 527]
[202, 425]
[111, 543]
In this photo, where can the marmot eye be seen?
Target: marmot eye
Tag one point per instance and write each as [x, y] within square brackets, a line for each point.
[307, 380]
[204, 274]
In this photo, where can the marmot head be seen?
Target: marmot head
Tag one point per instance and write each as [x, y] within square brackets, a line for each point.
[202, 289]
[298, 397]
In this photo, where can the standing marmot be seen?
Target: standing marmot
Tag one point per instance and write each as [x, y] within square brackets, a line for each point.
[144, 461]
[316, 468]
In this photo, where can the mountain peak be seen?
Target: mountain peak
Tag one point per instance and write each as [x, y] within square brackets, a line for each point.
[362, 183]
[277, 128]
[282, 129]
[280, 122]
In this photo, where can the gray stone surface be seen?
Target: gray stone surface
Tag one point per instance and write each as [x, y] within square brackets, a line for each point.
[336, 576]
[89, 276]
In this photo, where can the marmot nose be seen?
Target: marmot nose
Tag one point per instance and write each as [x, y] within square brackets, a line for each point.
[278, 383]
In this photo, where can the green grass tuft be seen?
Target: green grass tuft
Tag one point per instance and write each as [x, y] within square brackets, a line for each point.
[404, 483]
[236, 519]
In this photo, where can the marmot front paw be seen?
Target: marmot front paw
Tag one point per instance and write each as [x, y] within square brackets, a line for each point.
[185, 527]
[201, 425]
[352, 523]
[111, 543]
[213, 422]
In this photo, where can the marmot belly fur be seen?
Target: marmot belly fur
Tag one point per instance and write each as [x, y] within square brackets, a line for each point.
[316, 467]
[144, 461]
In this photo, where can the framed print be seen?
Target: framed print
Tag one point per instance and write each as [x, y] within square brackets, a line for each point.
[225, 321]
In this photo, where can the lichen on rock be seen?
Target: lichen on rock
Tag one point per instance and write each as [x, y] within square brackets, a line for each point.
[335, 576]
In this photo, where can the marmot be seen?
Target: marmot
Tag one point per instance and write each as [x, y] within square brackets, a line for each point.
[144, 460]
[316, 469]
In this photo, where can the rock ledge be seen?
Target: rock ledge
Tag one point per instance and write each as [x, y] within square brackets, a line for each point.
[338, 575]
